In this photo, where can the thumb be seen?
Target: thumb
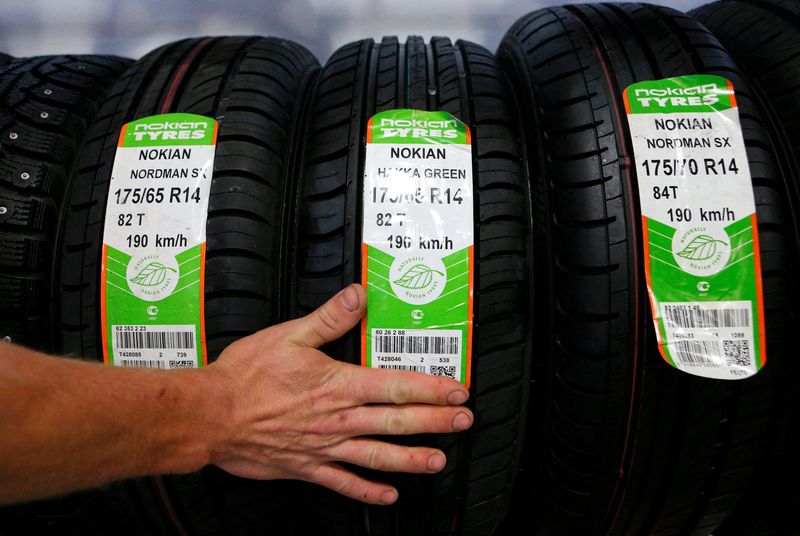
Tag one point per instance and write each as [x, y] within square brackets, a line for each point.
[333, 319]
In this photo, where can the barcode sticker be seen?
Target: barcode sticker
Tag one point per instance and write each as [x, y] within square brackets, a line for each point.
[685, 316]
[162, 347]
[715, 337]
[154, 242]
[411, 368]
[417, 251]
[697, 353]
[701, 253]
[141, 363]
[154, 339]
[417, 344]
[436, 352]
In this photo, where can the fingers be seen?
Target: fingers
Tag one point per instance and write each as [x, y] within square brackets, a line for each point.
[400, 420]
[379, 456]
[351, 485]
[333, 319]
[382, 456]
[380, 386]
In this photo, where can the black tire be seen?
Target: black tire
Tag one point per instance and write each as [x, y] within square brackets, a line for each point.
[46, 105]
[619, 441]
[255, 87]
[471, 495]
[768, 53]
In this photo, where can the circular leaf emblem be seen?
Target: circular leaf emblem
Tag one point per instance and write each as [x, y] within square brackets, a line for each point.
[700, 250]
[416, 279]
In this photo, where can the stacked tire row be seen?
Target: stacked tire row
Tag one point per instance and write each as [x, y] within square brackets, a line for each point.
[580, 427]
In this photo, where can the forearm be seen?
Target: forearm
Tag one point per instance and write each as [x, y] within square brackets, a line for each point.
[68, 425]
[271, 406]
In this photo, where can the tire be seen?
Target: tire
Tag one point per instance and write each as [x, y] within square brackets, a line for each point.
[46, 104]
[256, 88]
[767, 53]
[472, 493]
[620, 442]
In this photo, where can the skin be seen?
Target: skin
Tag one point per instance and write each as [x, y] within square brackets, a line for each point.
[271, 407]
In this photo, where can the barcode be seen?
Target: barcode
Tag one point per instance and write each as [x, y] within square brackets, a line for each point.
[412, 368]
[697, 353]
[684, 316]
[154, 339]
[141, 363]
[415, 344]
[737, 353]
[449, 371]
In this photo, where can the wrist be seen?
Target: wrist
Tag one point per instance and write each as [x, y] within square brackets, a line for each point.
[201, 403]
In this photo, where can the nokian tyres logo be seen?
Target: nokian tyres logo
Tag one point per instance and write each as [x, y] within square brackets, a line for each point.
[174, 130]
[678, 96]
[683, 94]
[416, 127]
[419, 128]
[169, 130]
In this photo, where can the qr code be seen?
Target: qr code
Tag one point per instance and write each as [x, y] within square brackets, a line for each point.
[450, 371]
[737, 353]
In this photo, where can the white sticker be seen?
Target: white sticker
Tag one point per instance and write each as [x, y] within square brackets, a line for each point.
[418, 244]
[702, 260]
[154, 238]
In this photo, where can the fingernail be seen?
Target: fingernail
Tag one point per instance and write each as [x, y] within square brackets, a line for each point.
[349, 298]
[456, 398]
[461, 421]
[389, 497]
[436, 463]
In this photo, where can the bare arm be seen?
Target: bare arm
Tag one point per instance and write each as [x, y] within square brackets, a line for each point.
[270, 407]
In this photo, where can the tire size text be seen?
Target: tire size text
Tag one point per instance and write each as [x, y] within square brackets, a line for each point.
[433, 196]
[682, 167]
[136, 196]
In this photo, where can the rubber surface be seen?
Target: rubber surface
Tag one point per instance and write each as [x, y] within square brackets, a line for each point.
[255, 88]
[471, 495]
[46, 104]
[768, 52]
[619, 441]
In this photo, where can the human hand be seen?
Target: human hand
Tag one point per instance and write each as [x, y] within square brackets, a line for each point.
[293, 412]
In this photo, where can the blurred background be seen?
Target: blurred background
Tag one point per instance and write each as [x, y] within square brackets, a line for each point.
[133, 28]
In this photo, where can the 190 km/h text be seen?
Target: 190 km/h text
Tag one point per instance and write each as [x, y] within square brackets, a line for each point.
[422, 243]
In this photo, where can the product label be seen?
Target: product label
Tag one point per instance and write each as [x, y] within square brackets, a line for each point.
[417, 253]
[699, 225]
[154, 241]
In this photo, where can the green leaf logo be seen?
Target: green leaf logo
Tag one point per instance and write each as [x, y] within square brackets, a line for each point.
[151, 275]
[417, 277]
[702, 247]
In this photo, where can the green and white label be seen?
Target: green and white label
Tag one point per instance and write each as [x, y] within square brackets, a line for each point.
[699, 225]
[417, 253]
[154, 243]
